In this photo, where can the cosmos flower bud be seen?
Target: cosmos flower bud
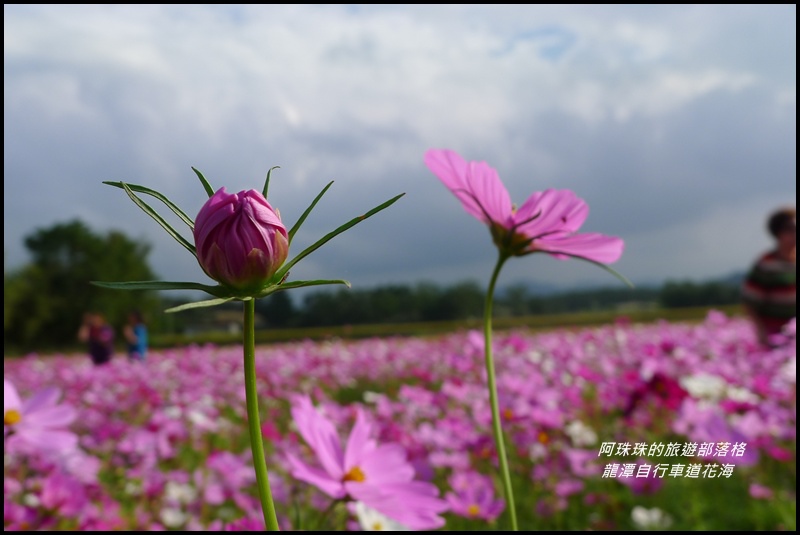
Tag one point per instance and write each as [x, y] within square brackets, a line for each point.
[240, 239]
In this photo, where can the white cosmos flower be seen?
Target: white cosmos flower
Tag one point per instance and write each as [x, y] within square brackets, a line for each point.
[31, 500]
[788, 371]
[173, 518]
[179, 493]
[581, 434]
[173, 412]
[653, 518]
[372, 397]
[738, 393]
[133, 488]
[372, 520]
[200, 420]
[537, 451]
[704, 386]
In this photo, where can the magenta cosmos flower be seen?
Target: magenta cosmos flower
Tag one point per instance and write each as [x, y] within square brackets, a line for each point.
[473, 496]
[380, 476]
[546, 222]
[38, 423]
[240, 239]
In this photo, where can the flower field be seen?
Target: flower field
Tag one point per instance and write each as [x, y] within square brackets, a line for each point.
[625, 426]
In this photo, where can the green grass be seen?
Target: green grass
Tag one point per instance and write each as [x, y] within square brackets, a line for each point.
[421, 329]
[535, 323]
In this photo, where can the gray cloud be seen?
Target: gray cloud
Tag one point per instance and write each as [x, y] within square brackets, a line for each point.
[675, 123]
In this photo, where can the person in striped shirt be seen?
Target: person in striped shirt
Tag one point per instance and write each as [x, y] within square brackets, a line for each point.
[769, 292]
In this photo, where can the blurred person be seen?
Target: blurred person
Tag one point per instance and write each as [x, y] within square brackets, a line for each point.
[135, 332]
[769, 292]
[99, 336]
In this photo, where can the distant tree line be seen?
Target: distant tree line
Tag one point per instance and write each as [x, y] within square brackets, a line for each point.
[465, 300]
[45, 300]
[675, 294]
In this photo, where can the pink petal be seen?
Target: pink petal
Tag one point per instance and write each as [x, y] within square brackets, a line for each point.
[359, 443]
[475, 184]
[46, 439]
[413, 504]
[45, 398]
[315, 476]
[50, 417]
[11, 399]
[597, 247]
[387, 464]
[214, 494]
[320, 434]
[559, 211]
[262, 210]
[216, 210]
[492, 195]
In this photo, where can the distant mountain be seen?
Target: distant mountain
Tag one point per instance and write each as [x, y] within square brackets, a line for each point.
[546, 289]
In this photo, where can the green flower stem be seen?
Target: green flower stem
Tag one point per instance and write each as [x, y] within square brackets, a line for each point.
[253, 420]
[490, 374]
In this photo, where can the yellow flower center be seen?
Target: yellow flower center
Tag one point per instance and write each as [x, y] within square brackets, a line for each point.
[508, 414]
[11, 417]
[543, 437]
[377, 526]
[473, 510]
[354, 474]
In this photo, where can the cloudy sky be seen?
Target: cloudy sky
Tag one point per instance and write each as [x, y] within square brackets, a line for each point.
[677, 124]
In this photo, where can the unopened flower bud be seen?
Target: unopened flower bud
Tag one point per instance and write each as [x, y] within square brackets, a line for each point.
[240, 239]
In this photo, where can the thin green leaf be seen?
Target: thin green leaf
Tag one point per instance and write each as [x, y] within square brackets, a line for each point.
[206, 185]
[161, 285]
[172, 206]
[266, 182]
[301, 284]
[303, 217]
[616, 273]
[328, 237]
[200, 304]
[160, 220]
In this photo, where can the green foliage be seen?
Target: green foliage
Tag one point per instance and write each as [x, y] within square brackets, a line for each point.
[690, 294]
[518, 302]
[462, 301]
[391, 304]
[271, 334]
[45, 300]
[277, 309]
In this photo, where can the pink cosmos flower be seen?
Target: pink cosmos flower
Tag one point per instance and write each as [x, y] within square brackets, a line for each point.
[63, 495]
[245, 524]
[18, 517]
[666, 391]
[473, 496]
[380, 476]
[568, 487]
[229, 474]
[760, 492]
[546, 222]
[240, 239]
[38, 423]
